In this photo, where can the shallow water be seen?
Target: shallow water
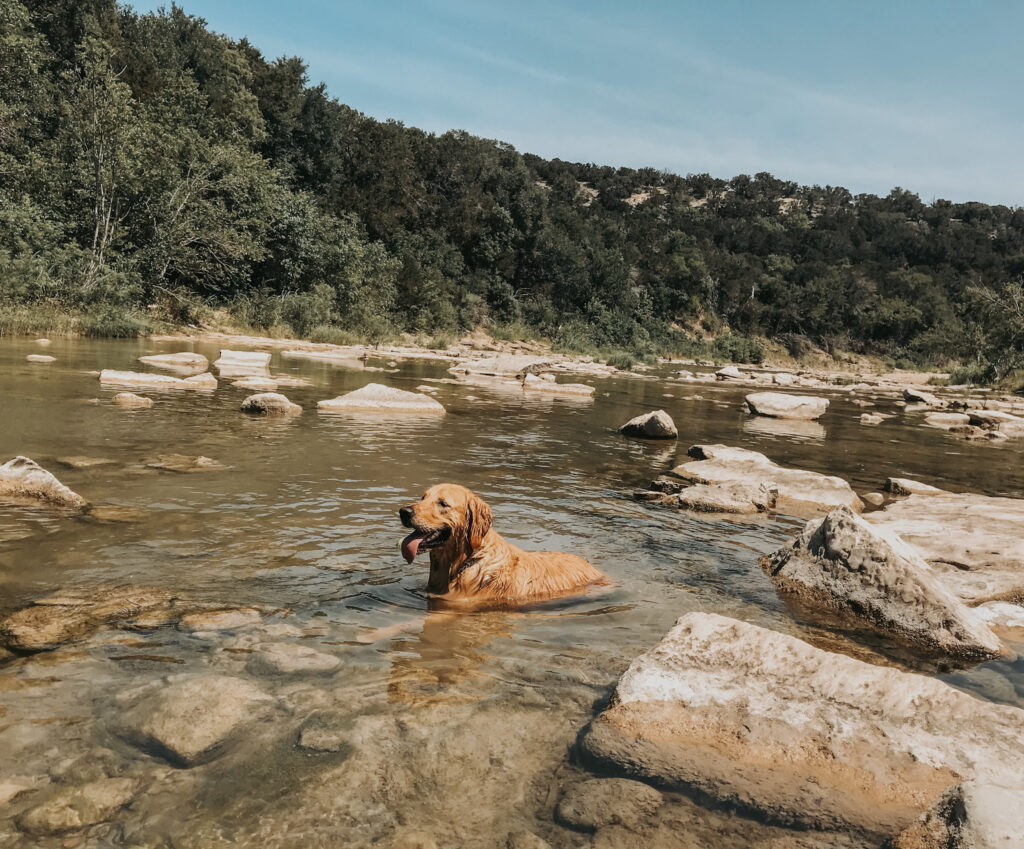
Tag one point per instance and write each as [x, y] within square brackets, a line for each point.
[462, 725]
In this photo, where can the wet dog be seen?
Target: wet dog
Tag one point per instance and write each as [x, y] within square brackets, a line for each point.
[469, 561]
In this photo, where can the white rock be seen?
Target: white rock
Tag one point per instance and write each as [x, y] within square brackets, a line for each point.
[946, 420]
[728, 373]
[782, 406]
[40, 358]
[654, 425]
[906, 486]
[24, 479]
[157, 381]
[970, 815]
[270, 404]
[767, 723]
[188, 719]
[42, 341]
[181, 361]
[1001, 614]
[846, 564]
[538, 384]
[243, 364]
[131, 401]
[919, 396]
[783, 379]
[375, 397]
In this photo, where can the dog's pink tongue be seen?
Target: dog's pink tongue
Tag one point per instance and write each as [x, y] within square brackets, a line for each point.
[411, 545]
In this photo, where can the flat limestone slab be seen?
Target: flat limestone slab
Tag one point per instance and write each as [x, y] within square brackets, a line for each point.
[975, 541]
[800, 492]
[503, 364]
[145, 380]
[181, 361]
[536, 384]
[780, 405]
[857, 568]
[773, 726]
[377, 398]
[25, 480]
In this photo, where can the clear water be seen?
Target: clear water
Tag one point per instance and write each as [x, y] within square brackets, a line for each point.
[459, 727]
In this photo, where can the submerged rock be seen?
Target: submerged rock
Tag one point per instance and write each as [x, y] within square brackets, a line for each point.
[261, 384]
[75, 808]
[182, 361]
[270, 404]
[40, 358]
[779, 405]
[846, 564]
[289, 659]
[970, 815]
[51, 621]
[157, 381]
[870, 419]
[185, 463]
[800, 492]
[77, 462]
[23, 479]
[770, 725]
[190, 718]
[220, 620]
[655, 425]
[542, 384]
[131, 401]
[598, 802]
[975, 542]
[374, 397]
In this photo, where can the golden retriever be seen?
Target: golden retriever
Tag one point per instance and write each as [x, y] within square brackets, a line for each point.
[470, 562]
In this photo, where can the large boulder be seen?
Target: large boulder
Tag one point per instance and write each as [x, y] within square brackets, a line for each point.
[269, 404]
[799, 492]
[144, 380]
[976, 542]
[189, 719]
[971, 815]
[22, 479]
[767, 724]
[183, 361]
[655, 425]
[57, 619]
[376, 398]
[779, 405]
[846, 564]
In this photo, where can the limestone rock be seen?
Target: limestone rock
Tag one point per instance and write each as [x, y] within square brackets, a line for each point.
[51, 621]
[906, 486]
[261, 384]
[733, 497]
[270, 404]
[131, 401]
[376, 398]
[42, 341]
[598, 802]
[870, 419]
[975, 542]
[772, 726]
[220, 620]
[799, 492]
[75, 808]
[540, 384]
[182, 361]
[783, 379]
[655, 425]
[315, 738]
[23, 479]
[40, 358]
[875, 499]
[779, 405]
[290, 659]
[243, 363]
[918, 396]
[728, 373]
[77, 462]
[970, 815]
[526, 840]
[189, 719]
[502, 365]
[846, 564]
[157, 381]
[947, 420]
[185, 463]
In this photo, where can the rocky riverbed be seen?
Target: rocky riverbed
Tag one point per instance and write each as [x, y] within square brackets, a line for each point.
[209, 637]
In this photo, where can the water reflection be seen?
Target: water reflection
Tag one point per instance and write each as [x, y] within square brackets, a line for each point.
[797, 428]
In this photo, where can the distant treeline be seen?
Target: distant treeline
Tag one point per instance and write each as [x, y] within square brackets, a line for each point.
[147, 160]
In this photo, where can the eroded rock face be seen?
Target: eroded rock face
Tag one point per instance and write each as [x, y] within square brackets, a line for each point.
[376, 398]
[270, 404]
[131, 401]
[975, 542]
[654, 425]
[799, 492]
[780, 405]
[23, 479]
[846, 564]
[190, 718]
[773, 726]
[971, 815]
[57, 619]
[157, 381]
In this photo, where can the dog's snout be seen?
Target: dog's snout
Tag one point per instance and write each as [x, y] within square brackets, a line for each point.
[405, 514]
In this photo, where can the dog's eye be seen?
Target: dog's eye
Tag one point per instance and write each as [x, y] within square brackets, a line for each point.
[442, 503]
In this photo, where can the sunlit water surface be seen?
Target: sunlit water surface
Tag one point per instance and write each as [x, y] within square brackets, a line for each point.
[462, 726]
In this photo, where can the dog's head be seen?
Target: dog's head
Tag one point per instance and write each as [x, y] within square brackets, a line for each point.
[446, 513]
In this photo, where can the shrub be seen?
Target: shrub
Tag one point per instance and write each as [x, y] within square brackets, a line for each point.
[621, 360]
[111, 320]
[738, 349]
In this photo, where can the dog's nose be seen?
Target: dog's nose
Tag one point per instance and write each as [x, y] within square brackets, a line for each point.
[405, 514]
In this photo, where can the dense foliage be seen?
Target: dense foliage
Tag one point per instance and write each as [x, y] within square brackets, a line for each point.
[146, 160]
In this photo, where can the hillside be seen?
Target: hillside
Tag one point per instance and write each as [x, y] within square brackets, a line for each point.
[152, 169]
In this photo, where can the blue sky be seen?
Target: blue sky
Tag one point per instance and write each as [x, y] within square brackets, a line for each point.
[868, 95]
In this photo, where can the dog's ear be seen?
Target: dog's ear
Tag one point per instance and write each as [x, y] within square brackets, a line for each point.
[478, 516]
